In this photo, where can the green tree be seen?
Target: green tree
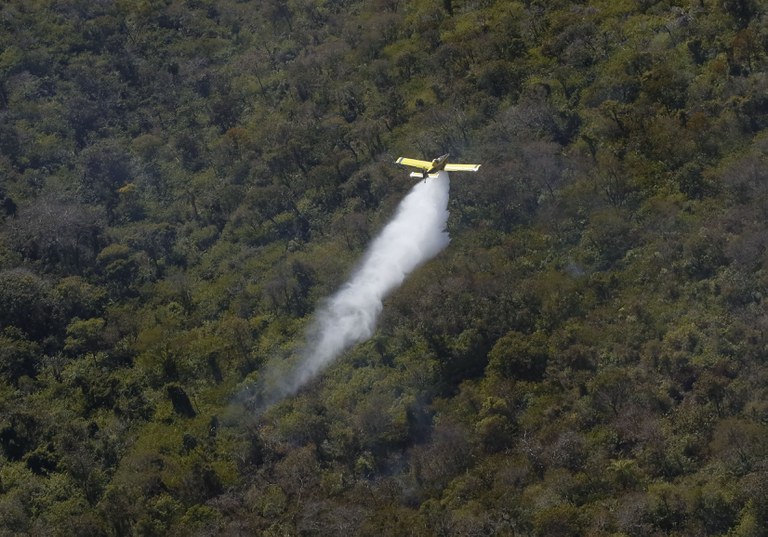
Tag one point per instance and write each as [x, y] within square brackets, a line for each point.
[26, 303]
[18, 356]
[520, 356]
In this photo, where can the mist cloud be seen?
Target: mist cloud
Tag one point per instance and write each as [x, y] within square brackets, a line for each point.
[416, 233]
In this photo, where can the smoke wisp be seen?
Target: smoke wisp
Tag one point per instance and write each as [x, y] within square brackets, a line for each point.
[416, 233]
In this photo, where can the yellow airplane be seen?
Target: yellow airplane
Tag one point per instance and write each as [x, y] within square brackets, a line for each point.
[430, 168]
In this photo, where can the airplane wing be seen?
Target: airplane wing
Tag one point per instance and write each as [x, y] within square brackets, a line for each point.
[414, 163]
[462, 167]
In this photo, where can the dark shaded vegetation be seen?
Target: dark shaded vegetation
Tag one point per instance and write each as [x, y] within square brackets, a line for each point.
[181, 182]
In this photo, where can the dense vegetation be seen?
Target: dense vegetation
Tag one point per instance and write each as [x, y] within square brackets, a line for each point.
[182, 181]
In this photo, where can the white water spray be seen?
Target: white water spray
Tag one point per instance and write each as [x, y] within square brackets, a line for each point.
[415, 234]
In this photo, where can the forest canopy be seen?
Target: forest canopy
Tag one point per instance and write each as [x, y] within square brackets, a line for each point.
[182, 182]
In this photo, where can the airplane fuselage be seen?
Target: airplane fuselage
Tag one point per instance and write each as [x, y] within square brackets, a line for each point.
[438, 164]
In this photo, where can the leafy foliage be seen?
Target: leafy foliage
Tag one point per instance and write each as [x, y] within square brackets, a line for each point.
[182, 182]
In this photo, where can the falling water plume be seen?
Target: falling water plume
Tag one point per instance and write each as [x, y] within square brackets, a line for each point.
[415, 234]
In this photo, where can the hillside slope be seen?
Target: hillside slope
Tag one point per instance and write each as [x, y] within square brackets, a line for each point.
[183, 182]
